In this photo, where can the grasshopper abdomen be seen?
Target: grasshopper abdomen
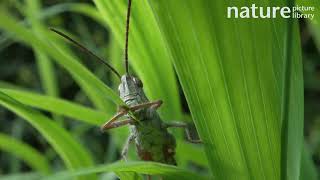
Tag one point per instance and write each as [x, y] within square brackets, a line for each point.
[153, 141]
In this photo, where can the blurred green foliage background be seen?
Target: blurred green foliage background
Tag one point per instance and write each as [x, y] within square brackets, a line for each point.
[19, 69]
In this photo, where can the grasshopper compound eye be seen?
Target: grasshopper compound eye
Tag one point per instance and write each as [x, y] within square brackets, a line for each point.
[138, 82]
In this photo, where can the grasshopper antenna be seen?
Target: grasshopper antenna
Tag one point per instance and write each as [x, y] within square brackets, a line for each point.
[127, 37]
[86, 50]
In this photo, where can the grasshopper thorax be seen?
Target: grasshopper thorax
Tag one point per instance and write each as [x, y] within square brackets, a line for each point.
[131, 88]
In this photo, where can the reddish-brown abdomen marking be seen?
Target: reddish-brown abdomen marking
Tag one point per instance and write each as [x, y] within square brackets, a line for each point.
[169, 153]
[144, 155]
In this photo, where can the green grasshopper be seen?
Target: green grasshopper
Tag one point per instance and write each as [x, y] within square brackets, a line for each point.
[152, 139]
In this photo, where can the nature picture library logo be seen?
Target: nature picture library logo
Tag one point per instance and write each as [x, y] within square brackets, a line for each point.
[305, 12]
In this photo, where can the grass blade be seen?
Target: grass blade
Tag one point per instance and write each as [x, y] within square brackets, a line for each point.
[292, 105]
[59, 106]
[151, 168]
[27, 153]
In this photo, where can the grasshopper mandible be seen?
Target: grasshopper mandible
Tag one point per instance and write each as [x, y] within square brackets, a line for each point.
[152, 139]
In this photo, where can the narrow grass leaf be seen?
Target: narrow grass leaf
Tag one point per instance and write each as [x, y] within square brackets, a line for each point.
[292, 105]
[151, 168]
[59, 106]
[25, 152]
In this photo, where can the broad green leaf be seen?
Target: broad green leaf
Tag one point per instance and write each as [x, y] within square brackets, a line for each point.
[148, 54]
[151, 168]
[73, 154]
[32, 157]
[232, 73]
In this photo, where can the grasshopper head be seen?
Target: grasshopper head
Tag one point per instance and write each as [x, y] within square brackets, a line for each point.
[130, 88]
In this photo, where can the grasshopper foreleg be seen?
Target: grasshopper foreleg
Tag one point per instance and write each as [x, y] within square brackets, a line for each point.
[121, 112]
[153, 104]
[116, 124]
[182, 125]
[125, 148]
[124, 110]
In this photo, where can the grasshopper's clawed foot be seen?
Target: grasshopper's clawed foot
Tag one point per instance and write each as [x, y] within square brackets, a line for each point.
[195, 141]
[185, 127]
[189, 138]
[124, 158]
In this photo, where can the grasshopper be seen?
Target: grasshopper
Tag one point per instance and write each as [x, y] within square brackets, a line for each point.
[152, 139]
